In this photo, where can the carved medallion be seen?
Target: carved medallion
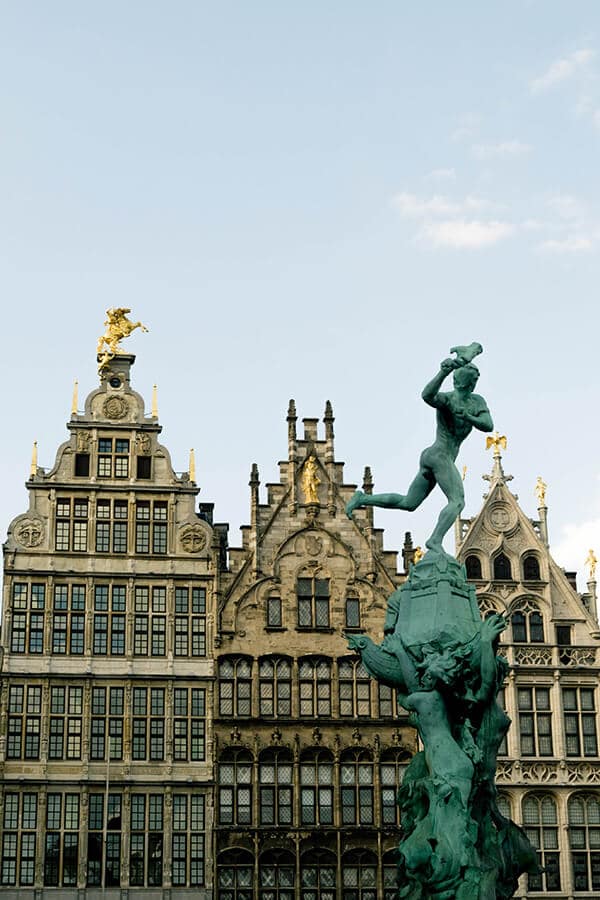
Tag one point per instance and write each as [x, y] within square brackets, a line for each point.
[314, 545]
[115, 408]
[501, 517]
[30, 532]
[193, 539]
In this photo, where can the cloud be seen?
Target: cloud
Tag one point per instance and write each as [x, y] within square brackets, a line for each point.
[574, 543]
[561, 70]
[567, 206]
[442, 175]
[503, 150]
[411, 206]
[462, 234]
[572, 244]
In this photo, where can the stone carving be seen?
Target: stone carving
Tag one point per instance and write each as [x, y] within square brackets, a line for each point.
[142, 443]
[193, 538]
[501, 517]
[583, 773]
[527, 655]
[84, 440]
[115, 408]
[539, 772]
[578, 656]
[30, 532]
[443, 661]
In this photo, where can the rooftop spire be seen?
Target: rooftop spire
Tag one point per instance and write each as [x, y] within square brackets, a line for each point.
[75, 400]
[496, 441]
[34, 460]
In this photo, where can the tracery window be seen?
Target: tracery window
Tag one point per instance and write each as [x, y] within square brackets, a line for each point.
[235, 875]
[235, 788]
[473, 567]
[356, 787]
[355, 688]
[527, 624]
[276, 875]
[531, 568]
[584, 839]
[316, 788]
[535, 728]
[391, 772]
[359, 875]
[275, 686]
[314, 677]
[502, 568]
[579, 707]
[235, 686]
[313, 602]
[317, 875]
[275, 788]
[541, 827]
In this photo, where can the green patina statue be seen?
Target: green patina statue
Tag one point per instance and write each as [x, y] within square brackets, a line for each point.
[443, 661]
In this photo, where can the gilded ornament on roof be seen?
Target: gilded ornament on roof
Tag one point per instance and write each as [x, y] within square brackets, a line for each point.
[592, 561]
[118, 327]
[540, 490]
[310, 481]
[496, 441]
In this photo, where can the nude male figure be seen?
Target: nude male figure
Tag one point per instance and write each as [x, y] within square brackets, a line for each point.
[458, 412]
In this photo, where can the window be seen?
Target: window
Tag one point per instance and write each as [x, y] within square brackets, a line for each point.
[276, 875]
[534, 721]
[24, 722]
[584, 820]
[151, 526]
[187, 866]
[391, 772]
[390, 875]
[275, 686]
[317, 875]
[144, 469]
[527, 624]
[531, 568]
[387, 699]
[274, 619]
[148, 725]
[66, 718]
[235, 687]
[352, 610]
[359, 875]
[313, 602]
[501, 700]
[27, 626]
[190, 621]
[235, 788]
[275, 788]
[315, 687]
[146, 840]
[316, 788]
[71, 524]
[502, 568]
[473, 567]
[189, 724]
[68, 619]
[107, 720]
[150, 621]
[109, 626]
[356, 784]
[579, 707]
[541, 827]
[19, 867]
[235, 875]
[355, 688]
[104, 841]
[111, 526]
[113, 458]
[62, 839]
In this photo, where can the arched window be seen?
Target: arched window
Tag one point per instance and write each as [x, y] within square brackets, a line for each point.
[317, 875]
[541, 827]
[235, 875]
[531, 568]
[527, 624]
[276, 875]
[275, 686]
[275, 787]
[235, 682]
[355, 688]
[314, 675]
[502, 569]
[356, 785]
[316, 788]
[391, 773]
[388, 701]
[359, 875]
[473, 567]
[504, 805]
[235, 788]
[390, 875]
[313, 602]
[584, 821]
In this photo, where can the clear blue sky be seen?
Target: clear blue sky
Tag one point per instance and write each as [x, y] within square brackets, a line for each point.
[314, 201]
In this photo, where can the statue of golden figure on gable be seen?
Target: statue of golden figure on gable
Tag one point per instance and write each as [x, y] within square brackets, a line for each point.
[118, 326]
[310, 481]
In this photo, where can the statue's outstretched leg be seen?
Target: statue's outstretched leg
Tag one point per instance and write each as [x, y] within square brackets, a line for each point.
[450, 482]
[420, 488]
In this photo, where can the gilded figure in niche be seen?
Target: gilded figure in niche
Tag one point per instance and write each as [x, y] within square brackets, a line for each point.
[310, 481]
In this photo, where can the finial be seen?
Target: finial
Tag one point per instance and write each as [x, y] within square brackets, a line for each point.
[118, 327]
[367, 480]
[540, 490]
[328, 411]
[464, 472]
[496, 441]
[192, 466]
[254, 479]
[154, 401]
[75, 400]
[34, 460]
[591, 561]
[291, 413]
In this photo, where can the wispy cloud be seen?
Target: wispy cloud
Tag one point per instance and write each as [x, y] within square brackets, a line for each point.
[462, 234]
[442, 175]
[571, 244]
[561, 70]
[502, 150]
[567, 206]
[411, 206]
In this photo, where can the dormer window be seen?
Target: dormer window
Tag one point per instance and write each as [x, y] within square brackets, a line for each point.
[531, 568]
[502, 568]
[473, 567]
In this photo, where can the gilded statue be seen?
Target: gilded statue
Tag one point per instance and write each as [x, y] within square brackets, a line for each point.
[118, 327]
[540, 489]
[592, 561]
[496, 441]
[310, 481]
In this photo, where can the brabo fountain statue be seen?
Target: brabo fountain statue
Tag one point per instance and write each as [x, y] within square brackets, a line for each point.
[443, 660]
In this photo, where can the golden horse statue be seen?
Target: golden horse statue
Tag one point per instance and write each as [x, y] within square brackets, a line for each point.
[118, 326]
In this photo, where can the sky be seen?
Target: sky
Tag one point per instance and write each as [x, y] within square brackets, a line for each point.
[315, 201]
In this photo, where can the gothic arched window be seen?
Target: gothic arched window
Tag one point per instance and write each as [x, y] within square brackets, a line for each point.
[527, 624]
[276, 875]
[316, 788]
[531, 568]
[355, 688]
[502, 568]
[275, 770]
[317, 875]
[356, 785]
[235, 788]
[314, 675]
[584, 820]
[391, 772]
[390, 875]
[359, 875]
[473, 567]
[275, 686]
[235, 682]
[235, 875]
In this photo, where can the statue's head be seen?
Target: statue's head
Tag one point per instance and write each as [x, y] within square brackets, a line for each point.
[466, 377]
